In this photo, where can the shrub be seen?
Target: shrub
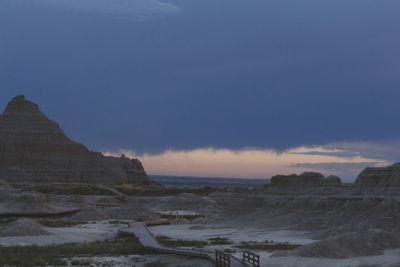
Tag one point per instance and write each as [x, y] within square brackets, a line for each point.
[168, 242]
[220, 241]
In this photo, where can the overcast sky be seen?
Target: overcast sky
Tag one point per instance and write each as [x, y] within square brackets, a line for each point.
[177, 82]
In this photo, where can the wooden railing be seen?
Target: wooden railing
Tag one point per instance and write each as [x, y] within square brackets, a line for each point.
[251, 258]
[222, 259]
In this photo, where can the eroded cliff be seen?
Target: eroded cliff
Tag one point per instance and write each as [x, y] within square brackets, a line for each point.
[35, 149]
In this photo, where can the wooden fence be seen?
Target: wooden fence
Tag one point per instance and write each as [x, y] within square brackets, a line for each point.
[251, 258]
[222, 259]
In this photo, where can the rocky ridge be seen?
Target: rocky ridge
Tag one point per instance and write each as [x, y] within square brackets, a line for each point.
[371, 181]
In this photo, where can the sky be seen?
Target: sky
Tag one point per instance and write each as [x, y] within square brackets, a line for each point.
[228, 88]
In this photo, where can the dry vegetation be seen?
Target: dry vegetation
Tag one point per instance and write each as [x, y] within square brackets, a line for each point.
[69, 189]
[158, 190]
[267, 246]
[59, 223]
[123, 244]
[168, 242]
[126, 189]
[220, 241]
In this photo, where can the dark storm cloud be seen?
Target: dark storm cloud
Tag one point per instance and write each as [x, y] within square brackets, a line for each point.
[129, 9]
[223, 74]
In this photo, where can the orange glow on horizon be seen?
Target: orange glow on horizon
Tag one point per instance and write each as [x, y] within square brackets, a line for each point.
[245, 163]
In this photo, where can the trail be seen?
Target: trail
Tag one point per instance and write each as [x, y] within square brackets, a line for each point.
[147, 239]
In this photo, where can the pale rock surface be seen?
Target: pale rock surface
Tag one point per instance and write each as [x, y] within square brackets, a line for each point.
[363, 243]
[23, 227]
[17, 203]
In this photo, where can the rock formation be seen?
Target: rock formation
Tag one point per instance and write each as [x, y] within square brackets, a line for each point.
[35, 149]
[304, 180]
[332, 180]
[23, 227]
[306, 183]
[384, 180]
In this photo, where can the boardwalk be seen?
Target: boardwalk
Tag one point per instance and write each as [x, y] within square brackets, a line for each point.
[147, 239]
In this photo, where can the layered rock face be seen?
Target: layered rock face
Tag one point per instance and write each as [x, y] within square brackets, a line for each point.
[379, 180]
[35, 149]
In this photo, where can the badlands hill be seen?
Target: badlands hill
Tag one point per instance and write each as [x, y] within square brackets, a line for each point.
[35, 149]
[371, 181]
[384, 180]
[306, 179]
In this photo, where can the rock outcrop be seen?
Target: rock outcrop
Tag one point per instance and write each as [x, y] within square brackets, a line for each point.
[385, 180]
[35, 149]
[304, 180]
[305, 183]
[332, 181]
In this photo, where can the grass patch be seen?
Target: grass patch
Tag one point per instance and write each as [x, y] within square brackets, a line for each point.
[228, 250]
[156, 264]
[118, 222]
[267, 246]
[121, 199]
[59, 223]
[123, 244]
[127, 189]
[4, 222]
[220, 241]
[69, 189]
[168, 242]
[158, 190]
[81, 263]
